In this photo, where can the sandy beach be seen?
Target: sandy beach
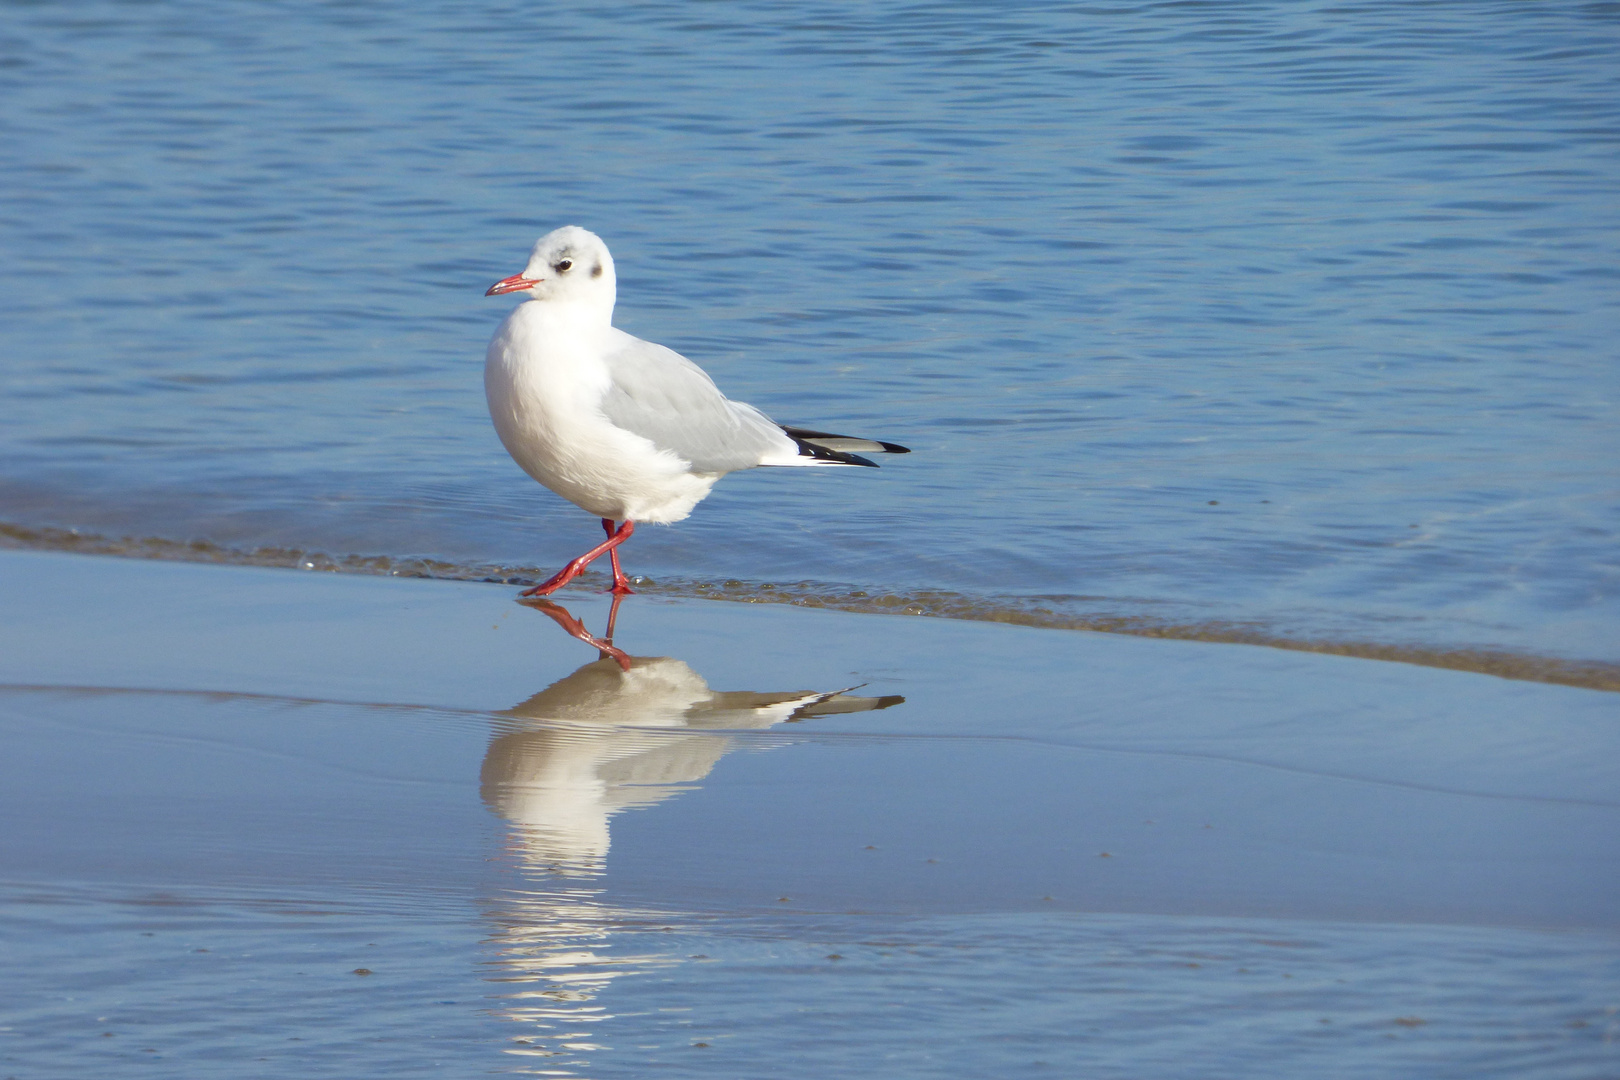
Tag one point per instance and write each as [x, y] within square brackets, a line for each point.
[535, 853]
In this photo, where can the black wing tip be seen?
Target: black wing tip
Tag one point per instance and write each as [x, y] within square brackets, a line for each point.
[821, 453]
[804, 436]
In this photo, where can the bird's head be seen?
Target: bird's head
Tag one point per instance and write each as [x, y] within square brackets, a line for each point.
[569, 265]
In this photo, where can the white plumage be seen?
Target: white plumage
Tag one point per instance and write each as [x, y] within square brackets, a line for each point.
[625, 429]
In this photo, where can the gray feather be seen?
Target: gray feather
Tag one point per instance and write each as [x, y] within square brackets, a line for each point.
[662, 396]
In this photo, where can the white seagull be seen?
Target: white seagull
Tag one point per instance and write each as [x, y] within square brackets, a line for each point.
[622, 428]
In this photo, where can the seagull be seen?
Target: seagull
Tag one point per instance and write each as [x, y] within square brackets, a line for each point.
[624, 429]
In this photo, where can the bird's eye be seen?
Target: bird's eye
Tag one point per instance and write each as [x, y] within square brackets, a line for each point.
[563, 266]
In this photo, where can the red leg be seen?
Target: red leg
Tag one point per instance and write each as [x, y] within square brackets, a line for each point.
[607, 527]
[577, 567]
[621, 583]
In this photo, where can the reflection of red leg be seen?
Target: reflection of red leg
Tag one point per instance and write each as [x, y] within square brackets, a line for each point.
[613, 616]
[576, 629]
[577, 567]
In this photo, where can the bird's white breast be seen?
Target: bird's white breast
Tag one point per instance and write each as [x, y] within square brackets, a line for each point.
[545, 380]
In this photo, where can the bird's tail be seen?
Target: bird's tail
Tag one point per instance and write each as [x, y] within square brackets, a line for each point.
[825, 448]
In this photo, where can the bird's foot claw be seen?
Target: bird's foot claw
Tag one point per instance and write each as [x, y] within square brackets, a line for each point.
[551, 584]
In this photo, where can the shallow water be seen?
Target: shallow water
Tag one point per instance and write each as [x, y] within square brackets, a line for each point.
[1298, 319]
[266, 824]
[559, 984]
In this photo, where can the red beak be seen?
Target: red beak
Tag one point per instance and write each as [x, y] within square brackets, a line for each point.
[515, 283]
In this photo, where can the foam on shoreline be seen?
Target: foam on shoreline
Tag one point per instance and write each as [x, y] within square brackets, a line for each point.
[1041, 611]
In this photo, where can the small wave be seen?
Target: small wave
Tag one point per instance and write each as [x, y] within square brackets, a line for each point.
[1033, 611]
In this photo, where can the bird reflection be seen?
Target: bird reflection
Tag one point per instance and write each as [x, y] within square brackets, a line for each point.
[619, 733]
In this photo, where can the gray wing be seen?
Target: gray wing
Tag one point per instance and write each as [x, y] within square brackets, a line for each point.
[662, 396]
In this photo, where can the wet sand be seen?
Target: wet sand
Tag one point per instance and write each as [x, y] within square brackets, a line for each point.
[809, 840]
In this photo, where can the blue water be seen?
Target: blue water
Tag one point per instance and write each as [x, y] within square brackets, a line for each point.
[1292, 317]
[208, 984]
[262, 824]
